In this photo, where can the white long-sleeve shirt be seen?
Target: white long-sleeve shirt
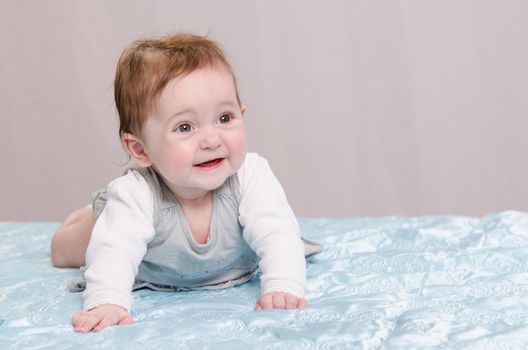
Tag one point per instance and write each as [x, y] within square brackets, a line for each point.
[125, 227]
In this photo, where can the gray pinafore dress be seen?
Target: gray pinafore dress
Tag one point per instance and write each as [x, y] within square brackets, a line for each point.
[174, 261]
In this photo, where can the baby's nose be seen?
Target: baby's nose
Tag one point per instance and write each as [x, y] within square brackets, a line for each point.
[210, 139]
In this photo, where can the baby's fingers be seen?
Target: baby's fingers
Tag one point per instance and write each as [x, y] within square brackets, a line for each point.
[265, 302]
[301, 303]
[288, 301]
[126, 320]
[84, 321]
[292, 301]
[100, 318]
[107, 321]
[279, 301]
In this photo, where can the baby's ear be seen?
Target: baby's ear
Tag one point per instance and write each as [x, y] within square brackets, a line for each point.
[243, 109]
[135, 148]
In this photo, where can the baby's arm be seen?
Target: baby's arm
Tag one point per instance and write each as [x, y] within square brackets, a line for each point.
[271, 230]
[117, 246]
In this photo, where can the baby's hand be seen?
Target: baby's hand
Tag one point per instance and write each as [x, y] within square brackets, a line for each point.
[100, 317]
[279, 300]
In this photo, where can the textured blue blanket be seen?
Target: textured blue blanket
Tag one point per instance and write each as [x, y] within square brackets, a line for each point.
[391, 282]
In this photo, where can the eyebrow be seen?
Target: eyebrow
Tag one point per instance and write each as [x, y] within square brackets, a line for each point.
[220, 105]
[229, 103]
[180, 112]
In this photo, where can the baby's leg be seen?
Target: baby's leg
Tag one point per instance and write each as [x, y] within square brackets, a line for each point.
[69, 242]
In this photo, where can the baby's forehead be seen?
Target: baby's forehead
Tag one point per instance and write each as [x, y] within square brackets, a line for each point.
[211, 74]
[187, 86]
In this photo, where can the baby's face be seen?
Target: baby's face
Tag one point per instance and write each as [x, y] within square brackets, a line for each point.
[195, 138]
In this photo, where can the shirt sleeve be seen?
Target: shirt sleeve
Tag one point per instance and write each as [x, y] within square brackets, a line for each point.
[119, 242]
[271, 229]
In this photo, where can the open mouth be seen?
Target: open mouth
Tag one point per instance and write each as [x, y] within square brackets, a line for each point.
[210, 164]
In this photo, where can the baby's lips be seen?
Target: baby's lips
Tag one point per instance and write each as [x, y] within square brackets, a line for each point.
[210, 163]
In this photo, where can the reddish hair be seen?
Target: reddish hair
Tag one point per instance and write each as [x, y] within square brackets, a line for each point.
[146, 66]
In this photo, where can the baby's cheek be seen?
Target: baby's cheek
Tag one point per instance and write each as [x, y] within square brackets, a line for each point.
[241, 148]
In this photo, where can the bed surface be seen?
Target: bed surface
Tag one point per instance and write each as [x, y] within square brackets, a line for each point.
[388, 282]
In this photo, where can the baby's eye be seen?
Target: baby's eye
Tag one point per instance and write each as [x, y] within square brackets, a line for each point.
[225, 118]
[186, 127]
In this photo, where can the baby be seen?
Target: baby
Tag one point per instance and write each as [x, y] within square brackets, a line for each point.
[198, 212]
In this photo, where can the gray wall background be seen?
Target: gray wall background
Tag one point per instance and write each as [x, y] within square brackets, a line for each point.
[363, 108]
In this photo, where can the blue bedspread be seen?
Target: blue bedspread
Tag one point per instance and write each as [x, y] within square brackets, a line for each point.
[391, 282]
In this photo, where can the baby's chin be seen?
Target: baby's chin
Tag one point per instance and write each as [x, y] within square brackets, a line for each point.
[210, 180]
[219, 182]
[216, 182]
